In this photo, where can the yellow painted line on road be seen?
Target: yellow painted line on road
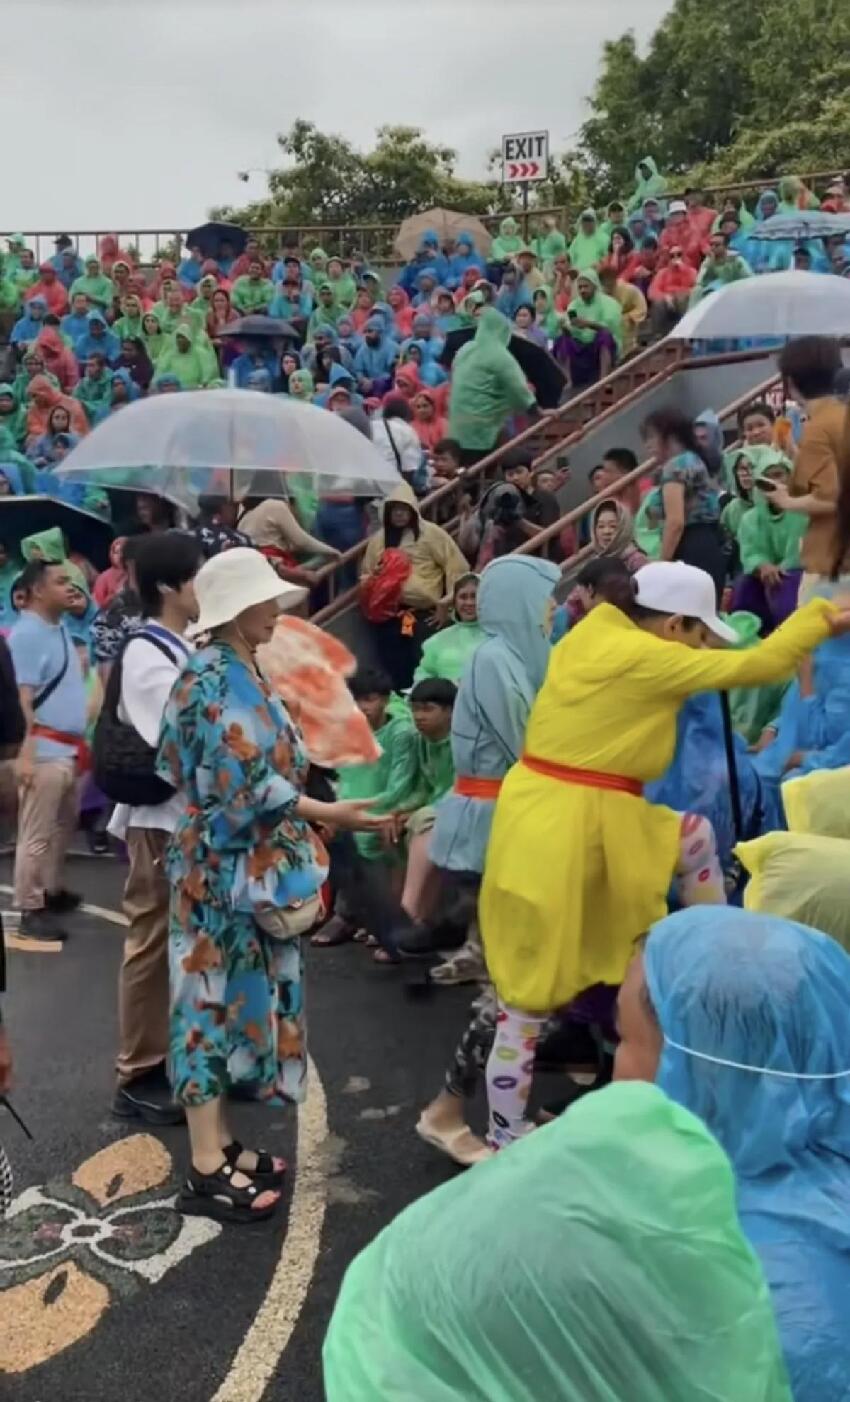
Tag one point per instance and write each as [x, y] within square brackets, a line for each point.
[261, 1349]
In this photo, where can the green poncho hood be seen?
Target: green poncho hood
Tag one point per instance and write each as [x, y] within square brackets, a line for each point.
[487, 384]
[99, 288]
[601, 308]
[302, 380]
[588, 248]
[651, 186]
[45, 545]
[599, 1259]
[548, 318]
[508, 241]
[549, 243]
[191, 366]
[767, 536]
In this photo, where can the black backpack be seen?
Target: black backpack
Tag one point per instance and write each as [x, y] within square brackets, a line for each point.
[123, 762]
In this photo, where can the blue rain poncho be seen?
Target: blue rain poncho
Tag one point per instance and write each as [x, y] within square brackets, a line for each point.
[465, 256]
[107, 345]
[697, 781]
[376, 362]
[767, 255]
[599, 1259]
[28, 327]
[771, 996]
[814, 729]
[494, 700]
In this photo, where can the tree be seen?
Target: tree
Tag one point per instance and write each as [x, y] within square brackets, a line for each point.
[327, 181]
[725, 90]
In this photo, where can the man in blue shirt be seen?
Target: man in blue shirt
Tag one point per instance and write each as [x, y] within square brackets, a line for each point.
[52, 694]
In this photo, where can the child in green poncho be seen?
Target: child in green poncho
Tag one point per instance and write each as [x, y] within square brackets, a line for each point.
[769, 544]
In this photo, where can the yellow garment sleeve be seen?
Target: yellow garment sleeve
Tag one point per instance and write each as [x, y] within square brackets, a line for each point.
[683, 671]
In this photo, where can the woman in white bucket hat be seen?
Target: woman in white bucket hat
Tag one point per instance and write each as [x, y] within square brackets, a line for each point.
[244, 860]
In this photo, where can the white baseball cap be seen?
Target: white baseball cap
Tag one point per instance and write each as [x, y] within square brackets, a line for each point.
[677, 207]
[233, 581]
[675, 587]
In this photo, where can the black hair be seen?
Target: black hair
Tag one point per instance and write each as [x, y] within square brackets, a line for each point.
[209, 505]
[133, 544]
[621, 458]
[437, 691]
[626, 236]
[397, 407]
[521, 456]
[760, 407]
[811, 363]
[169, 558]
[51, 319]
[370, 681]
[451, 446]
[33, 573]
[719, 234]
[599, 467]
[671, 423]
[597, 574]
[393, 534]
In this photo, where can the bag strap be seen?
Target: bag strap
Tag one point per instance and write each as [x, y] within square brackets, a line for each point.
[393, 445]
[48, 691]
[161, 639]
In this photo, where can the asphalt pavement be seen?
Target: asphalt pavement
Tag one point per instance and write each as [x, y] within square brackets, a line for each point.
[106, 1294]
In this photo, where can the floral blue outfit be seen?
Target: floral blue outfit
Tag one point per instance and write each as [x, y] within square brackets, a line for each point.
[236, 995]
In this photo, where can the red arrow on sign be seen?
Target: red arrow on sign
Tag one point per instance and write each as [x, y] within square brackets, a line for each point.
[523, 170]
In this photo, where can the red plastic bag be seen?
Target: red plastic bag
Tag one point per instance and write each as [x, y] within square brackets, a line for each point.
[380, 594]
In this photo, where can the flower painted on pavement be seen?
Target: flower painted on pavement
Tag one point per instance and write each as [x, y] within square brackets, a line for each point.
[67, 1250]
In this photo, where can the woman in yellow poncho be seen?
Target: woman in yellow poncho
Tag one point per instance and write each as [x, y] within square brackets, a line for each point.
[579, 864]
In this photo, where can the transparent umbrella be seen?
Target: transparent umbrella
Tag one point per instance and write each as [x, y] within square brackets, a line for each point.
[227, 442]
[804, 224]
[773, 304]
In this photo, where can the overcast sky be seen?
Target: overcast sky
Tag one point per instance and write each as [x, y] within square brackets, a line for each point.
[134, 116]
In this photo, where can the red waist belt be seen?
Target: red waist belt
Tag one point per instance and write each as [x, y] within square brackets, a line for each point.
[589, 778]
[78, 744]
[469, 787]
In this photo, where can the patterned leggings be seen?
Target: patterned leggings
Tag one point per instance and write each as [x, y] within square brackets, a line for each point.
[698, 881]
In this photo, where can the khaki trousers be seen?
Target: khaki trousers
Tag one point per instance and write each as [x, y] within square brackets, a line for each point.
[47, 820]
[143, 981]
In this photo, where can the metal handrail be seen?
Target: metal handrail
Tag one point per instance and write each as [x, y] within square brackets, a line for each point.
[577, 513]
[668, 352]
[542, 538]
[334, 234]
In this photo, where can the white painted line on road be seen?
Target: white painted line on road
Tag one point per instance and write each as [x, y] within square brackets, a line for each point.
[114, 917]
[268, 1336]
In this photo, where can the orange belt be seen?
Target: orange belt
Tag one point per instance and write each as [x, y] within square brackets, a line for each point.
[83, 754]
[470, 787]
[590, 778]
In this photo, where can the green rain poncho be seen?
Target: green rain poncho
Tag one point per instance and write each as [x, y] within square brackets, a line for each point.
[322, 315]
[600, 1259]
[767, 536]
[302, 386]
[652, 185]
[549, 244]
[45, 545]
[735, 510]
[794, 196]
[13, 417]
[169, 320]
[549, 321]
[10, 292]
[95, 395]
[344, 289]
[388, 780]
[130, 328]
[154, 340]
[317, 266]
[586, 250]
[487, 385]
[247, 297]
[649, 523]
[507, 243]
[448, 651]
[10, 454]
[99, 288]
[752, 707]
[601, 308]
[194, 366]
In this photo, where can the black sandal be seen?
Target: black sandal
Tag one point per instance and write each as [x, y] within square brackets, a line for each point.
[213, 1195]
[265, 1175]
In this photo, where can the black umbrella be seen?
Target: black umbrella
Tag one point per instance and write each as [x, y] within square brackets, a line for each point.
[260, 328]
[209, 238]
[538, 365]
[86, 533]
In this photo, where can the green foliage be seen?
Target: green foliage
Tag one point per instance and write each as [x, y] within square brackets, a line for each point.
[327, 181]
[725, 91]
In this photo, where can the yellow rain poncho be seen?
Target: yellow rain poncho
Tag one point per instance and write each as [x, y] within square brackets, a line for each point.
[574, 874]
[598, 1260]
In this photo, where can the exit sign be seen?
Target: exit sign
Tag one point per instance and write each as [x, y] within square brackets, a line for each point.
[525, 156]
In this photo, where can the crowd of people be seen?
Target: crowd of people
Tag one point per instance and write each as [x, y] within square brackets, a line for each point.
[526, 770]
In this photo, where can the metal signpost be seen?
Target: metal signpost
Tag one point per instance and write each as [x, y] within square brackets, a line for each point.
[525, 158]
